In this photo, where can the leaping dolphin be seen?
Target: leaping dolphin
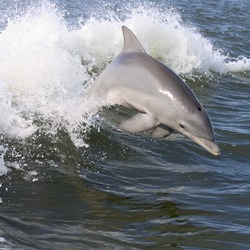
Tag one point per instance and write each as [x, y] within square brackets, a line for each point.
[164, 101]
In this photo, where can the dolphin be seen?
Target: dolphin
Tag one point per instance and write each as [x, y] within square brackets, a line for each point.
[165, 103]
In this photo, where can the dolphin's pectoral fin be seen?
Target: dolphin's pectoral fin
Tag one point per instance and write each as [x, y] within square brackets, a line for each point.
[138, 123]
[161, 132]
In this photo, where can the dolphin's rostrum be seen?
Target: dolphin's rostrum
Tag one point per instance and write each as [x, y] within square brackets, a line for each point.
[163, 100]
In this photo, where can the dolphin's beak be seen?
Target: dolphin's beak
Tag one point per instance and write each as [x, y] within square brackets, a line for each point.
[210, 146]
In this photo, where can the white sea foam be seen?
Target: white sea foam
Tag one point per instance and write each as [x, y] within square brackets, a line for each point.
[2, 239]
[41, 75]
[164, 36]
[3, 168]
[46, 65]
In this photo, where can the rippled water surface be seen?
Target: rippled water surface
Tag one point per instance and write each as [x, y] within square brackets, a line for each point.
[69, 179]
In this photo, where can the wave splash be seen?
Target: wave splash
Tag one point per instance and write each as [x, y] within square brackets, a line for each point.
[41, 74]
[46, 64]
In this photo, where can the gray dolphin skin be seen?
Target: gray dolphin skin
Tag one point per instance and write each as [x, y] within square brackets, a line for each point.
[163, 100]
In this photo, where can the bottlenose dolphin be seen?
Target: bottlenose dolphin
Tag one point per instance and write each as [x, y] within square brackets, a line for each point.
[163, 100]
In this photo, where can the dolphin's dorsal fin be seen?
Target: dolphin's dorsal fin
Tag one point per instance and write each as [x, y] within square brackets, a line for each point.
[131, 43]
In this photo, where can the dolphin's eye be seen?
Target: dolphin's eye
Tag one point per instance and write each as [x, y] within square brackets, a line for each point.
[199, 108]
[181, 125]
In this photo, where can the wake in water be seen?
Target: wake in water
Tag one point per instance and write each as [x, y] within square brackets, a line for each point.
[46, 64]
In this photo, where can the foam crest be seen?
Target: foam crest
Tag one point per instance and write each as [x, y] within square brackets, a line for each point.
[3, 168]
[165, 37]
[40, 76]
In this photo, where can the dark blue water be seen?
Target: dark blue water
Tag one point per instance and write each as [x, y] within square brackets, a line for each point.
[70, 179]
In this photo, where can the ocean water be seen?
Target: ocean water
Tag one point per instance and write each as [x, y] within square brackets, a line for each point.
[69, 179]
